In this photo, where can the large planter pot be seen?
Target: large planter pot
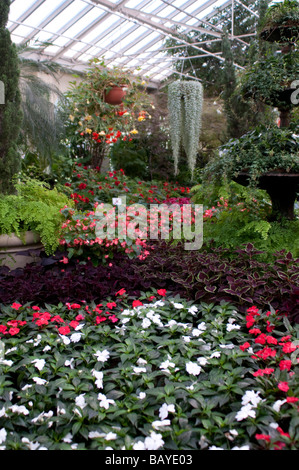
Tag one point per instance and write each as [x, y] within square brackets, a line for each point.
[281, 33]
[16, 253]
[283, 189]
[115, 95]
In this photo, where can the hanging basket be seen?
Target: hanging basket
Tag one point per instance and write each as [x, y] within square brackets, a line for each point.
[115, 95]
[185, 101]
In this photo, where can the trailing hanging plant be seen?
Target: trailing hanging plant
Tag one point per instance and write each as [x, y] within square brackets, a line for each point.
[185, 99]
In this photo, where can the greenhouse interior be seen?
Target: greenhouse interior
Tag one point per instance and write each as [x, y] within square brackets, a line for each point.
[149, 227]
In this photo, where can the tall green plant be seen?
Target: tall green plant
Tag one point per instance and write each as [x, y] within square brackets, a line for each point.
[10, 111]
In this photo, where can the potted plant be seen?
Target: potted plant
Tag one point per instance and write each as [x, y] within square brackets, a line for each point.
[268, 157]
[92, 123]
[280, 23]
[30, 221]
[185, 101]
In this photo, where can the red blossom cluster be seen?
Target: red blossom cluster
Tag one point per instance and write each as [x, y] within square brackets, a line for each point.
[274, 355]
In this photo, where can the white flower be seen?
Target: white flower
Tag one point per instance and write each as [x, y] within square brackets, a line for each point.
[2, 412]
[31, 445]
[47, 348]
[230, 327]
[39, 363]
[99, 378]
[111, 436]
[102, 356]
[165, 409]
[159, 424]
[202, 361]
[21, 410]
[68, 438]
[193, 368]
[245, 412]
[251, 397]
[215, 354]
[80, 401]
[65, 339]
[177, 305]
[139, 446]
[154, 441]
[6, 362]
[166, 364]
[141, 361]
[139, 370]
[69, 363]
[146, 323]
[193, 310]
[241, 448]
[278, 404]
[104, 401]
[3, 434]
[141, 395]
[215, 448]
[39, 381]
[75, 337]
[187, 339]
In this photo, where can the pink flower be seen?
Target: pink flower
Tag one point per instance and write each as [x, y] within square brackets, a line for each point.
[292, 399]
[16, 306]
[283, 386]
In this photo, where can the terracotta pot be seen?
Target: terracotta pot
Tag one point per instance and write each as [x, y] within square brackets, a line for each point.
[115, 95]
[16, 254]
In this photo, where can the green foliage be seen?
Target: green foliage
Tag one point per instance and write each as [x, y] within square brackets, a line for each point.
[36, 208]
[279, 15]
[257, 152]
[10, 112]
[167, 375]
[267, 79]
[131, 157]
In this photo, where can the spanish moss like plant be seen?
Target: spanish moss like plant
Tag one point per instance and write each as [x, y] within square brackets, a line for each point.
[185, 100]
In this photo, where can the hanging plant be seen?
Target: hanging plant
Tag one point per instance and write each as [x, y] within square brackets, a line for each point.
[185, 99]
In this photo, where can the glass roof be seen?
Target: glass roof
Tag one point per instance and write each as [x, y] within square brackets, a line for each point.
[126, 32]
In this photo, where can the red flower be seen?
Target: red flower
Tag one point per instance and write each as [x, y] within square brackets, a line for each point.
[244, 346]
[137, 303]
[100, 319]
[292, 399]
[285, 364]
[283, 386]
[111, 305]
[113, 318]
[121, 292]
[161, 292]
[3, 328]
[289, 347]
[16, 306]
[13, 331]
[264, 437]
[64, 330]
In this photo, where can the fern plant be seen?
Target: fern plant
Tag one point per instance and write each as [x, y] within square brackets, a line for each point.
[36, 208]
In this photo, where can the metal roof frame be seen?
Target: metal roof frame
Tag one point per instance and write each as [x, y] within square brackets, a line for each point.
[113, 29]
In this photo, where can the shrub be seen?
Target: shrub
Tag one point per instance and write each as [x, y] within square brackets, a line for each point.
[166, 374]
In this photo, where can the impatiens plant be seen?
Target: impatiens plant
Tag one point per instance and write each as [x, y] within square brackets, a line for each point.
[147, 373]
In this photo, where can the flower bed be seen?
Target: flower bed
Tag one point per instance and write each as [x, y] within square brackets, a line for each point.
[145, 374]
